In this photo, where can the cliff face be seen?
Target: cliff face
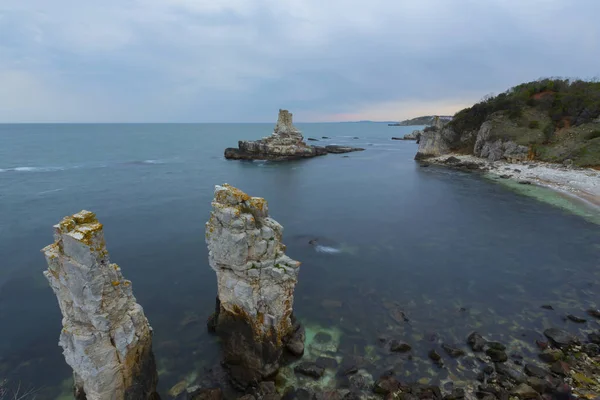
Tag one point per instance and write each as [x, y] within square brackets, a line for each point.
[106, 338]
[255, 282]
[546, 120]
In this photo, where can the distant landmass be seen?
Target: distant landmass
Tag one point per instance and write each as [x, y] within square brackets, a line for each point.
[424, 120]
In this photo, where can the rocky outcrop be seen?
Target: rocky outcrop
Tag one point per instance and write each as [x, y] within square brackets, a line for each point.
[337, 149]
[286, 143]
[414, 135]
[106, 338]
[255, 282]
[489, 144]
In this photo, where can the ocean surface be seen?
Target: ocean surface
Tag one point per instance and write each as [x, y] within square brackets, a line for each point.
[423, 255]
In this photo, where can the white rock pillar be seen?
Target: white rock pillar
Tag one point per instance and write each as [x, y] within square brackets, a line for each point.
[255, 283]
[106, 338]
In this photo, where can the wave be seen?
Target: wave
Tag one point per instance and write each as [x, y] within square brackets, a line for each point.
[327, 249]
[63, 168]
[33, 169]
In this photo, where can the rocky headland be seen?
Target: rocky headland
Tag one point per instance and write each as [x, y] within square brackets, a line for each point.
[106, 338]
[545, 132]
[255, 285]
[286, 143]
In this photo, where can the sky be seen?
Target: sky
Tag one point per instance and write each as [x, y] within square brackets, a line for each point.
[242, 60]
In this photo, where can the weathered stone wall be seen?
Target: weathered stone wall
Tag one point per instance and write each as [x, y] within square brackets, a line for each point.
[106, 338]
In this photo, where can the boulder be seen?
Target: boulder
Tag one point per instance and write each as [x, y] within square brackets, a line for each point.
[255, 285]
[106, 338]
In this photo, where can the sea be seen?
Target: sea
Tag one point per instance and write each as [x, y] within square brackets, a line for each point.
[424, 255]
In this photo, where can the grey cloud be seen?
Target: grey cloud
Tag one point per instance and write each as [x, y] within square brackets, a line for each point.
[233, 60]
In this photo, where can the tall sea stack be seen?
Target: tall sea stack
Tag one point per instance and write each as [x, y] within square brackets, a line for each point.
[255, 282]
[106, 338]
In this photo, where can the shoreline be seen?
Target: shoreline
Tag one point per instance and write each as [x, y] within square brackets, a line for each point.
[582, 184]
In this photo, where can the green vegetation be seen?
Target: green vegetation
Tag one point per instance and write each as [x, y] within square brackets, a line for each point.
[575, 102]
[558, 119]
[424, 120]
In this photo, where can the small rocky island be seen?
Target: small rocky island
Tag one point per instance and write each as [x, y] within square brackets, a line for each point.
[286, 143]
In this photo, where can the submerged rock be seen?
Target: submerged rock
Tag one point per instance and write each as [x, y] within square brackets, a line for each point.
[286, 143]
[256, 282]
[399, 347]
[476, 341]
[106, 338]
[576, 319]
[452, 351]
[309, 369]
[560, 338]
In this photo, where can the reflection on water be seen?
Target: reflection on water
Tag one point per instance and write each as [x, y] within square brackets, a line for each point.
[422, 255]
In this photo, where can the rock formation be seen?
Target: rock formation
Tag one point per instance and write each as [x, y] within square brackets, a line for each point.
[256, 282]
[414, 135]
[106, 337]
[286, 143]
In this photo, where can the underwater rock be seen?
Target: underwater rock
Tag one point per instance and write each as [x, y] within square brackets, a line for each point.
[476, 341]
[309, 369]
[286, 143]
[295, 344]
[594, 338]
[434, 356]
[386, 384]
[593, 313]
[576, 319]
[453, 351]
[255, 282]
[205, 394]
[497, 356]
[560, 338]
[524, 391]
[547, 307]
[551, 355]
[511, 373]
[591, 349]
[560, 368]
[106, 338]
[326, 362]
[399, 347]
[534, 370]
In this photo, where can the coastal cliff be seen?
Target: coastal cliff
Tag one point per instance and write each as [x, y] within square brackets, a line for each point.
[548, 120]
[106, 338]
[286, 143]
[255, 284]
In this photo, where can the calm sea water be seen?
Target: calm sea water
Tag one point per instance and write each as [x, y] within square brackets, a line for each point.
[451, 251]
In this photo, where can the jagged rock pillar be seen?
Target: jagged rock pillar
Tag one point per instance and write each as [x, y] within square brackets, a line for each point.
[256, 282]
[106, 337]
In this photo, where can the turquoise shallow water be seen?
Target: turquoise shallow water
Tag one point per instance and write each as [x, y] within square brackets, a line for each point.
[452, 251]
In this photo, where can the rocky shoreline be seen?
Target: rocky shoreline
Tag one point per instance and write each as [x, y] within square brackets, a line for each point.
[583, 183]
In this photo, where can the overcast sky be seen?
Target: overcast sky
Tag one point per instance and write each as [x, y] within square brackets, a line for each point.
[242, 60]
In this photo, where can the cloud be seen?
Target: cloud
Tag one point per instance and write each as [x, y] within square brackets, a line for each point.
[241, 60]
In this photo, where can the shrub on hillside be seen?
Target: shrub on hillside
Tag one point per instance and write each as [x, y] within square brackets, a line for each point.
[534, 124]
[576, 100]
